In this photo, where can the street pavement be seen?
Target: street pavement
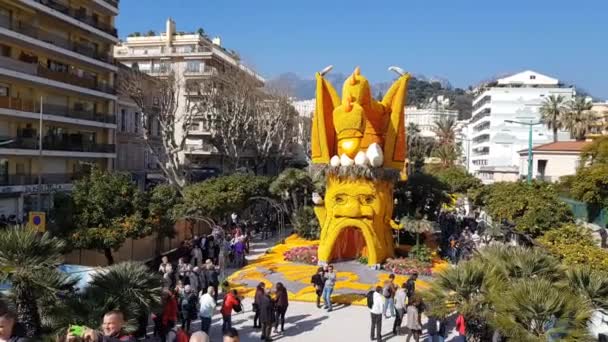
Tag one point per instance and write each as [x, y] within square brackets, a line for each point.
[306, 322]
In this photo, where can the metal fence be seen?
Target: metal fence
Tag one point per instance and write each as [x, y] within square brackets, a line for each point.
[583, 212]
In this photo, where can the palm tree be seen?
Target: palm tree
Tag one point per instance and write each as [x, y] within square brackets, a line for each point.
[447, 154]
[418, 148]
[445, 129]
[129, 287]
[416, 226]
[466, 289]
[590, 284]
[552, 111]
[534, 309]
[29, 263]
[521, 262]
[579, 118]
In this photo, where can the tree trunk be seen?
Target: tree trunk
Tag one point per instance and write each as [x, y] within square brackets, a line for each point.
[555, 134]
[109, 257]
[27, 310]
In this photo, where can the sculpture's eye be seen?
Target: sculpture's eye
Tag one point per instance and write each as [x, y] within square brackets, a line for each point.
[340, 199]
[368, 199]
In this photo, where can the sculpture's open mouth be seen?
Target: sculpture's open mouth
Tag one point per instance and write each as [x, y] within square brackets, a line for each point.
[351, 239]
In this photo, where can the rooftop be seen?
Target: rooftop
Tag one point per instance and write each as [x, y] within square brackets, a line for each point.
[559, 146]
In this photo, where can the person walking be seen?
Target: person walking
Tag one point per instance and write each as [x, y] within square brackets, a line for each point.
[328, 289]
[231, 302]
[196, 254]
[282, 302]
[169, 314]
[400, 305]
[194, 278]
[212, 276]
[410, 286]
[266, 315]
[389, 292]
[207, 306]
[437, 329]
[318, 281]
[239, 251]
[376, 309]
[259, 293]
[188, 308]
[413, 321]
[182, 268]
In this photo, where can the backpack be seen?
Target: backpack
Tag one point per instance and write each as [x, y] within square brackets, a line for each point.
[186, 304]
[370, 299]
[238, 307]
[387, 291]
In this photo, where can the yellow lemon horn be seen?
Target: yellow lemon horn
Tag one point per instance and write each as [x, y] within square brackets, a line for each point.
[348, 106]
[357, 71]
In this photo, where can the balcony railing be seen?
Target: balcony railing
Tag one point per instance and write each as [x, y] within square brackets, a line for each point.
[201, 149]
[484, 113]
[51, 38]
[123, 51]
[483, 101]
[45, 178]
[25, 105]
[481, 139]
[112, 2]
[80, 16]
[65, 77]
[65, 142]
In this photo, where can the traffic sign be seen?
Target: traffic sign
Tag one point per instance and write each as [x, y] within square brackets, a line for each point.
[37, 220]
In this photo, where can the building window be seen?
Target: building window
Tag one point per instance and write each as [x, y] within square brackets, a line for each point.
[158, 127]
[4, 90]
[193, 66]
[136, 123]
[123, 120]
[532, 77]
[5, 50]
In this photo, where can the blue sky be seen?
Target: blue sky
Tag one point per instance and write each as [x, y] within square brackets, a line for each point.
[464, 41]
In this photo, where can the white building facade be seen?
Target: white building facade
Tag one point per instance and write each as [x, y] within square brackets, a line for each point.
[494, 142]
[305, 108]
[552, 161]
[435, 110]
[191, 57]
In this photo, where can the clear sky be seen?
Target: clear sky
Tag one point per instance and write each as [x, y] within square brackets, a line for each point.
[464, 41]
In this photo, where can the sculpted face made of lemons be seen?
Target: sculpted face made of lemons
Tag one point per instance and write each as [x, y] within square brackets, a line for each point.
[359, 204]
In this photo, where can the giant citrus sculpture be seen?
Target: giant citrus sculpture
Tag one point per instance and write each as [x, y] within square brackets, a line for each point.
[359, 145]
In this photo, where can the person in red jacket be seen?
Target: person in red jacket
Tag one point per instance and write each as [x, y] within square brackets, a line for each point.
[231, 301]
[461, 327]
[169, 315]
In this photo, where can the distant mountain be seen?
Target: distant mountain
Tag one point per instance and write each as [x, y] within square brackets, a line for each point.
[421, 89]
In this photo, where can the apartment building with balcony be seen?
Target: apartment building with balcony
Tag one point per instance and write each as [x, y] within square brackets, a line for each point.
[191, 57]
[55, 64]
[494, 143]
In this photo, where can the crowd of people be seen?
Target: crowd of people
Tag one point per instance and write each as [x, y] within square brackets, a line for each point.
[269, 309]
[406, 307]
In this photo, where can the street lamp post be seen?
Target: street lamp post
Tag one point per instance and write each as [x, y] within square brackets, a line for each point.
[530, 125]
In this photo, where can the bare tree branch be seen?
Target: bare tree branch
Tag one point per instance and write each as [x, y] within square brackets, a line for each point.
[158, 99]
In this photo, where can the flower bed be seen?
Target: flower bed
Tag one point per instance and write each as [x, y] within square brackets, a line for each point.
[407, 266]
[305, 254]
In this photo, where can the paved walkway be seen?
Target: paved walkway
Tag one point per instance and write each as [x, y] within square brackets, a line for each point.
[304, 321]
